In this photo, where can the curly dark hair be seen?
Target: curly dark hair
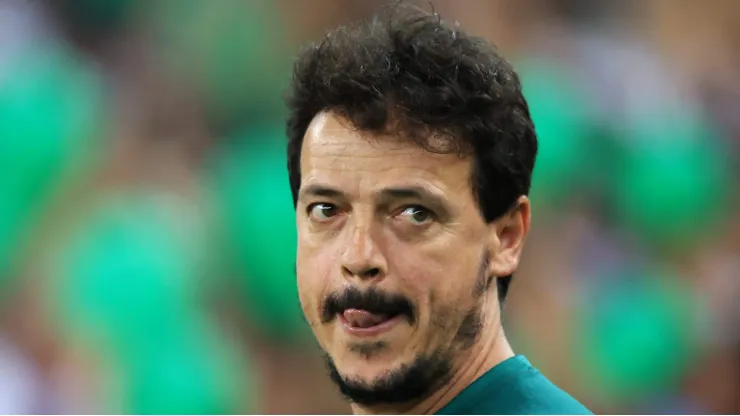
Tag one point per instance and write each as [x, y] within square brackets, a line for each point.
[408, 73]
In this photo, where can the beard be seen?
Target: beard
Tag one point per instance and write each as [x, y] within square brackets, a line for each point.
[426, 373]
[402, 385]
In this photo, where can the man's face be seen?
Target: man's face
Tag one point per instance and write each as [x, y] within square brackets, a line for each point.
[392, 260]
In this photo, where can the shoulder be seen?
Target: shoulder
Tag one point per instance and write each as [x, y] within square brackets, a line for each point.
[515, 387]
[532, 393]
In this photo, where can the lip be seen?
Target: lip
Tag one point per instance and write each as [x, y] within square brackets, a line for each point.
[369, 331]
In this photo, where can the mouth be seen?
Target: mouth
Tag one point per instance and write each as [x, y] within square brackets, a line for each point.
[362, 323]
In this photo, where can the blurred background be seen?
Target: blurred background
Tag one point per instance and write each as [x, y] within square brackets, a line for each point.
[146, 226]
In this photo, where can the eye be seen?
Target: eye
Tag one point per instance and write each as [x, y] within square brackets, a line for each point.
[322, 212]
[417, 215]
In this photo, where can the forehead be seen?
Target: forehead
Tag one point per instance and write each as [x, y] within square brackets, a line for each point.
[335, 153]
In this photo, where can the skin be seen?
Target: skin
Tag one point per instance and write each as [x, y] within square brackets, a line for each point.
[349, 221]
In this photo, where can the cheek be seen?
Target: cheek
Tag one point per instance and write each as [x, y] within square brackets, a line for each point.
[436, 277]
[435, 265]
[305, 293]
[312, 277]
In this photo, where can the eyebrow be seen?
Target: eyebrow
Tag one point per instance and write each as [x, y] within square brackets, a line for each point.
[385, 196]
[413, 192]
[320, 191]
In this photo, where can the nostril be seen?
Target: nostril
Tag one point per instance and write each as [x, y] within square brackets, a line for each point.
[374, 272]
[368, 273]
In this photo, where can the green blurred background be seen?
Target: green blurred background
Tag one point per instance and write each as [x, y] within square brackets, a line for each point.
[147, 233]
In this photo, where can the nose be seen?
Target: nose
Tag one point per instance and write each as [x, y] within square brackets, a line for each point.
[363, 257]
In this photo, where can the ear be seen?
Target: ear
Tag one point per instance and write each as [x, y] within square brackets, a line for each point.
[506, 238]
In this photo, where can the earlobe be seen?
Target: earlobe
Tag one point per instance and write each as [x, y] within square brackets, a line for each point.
[507, 235]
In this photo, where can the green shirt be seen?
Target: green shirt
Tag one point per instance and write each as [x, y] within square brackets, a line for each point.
[513, 387]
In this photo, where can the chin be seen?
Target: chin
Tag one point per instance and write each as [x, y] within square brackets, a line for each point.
[364, 376]
[367, 363]
[386, 379]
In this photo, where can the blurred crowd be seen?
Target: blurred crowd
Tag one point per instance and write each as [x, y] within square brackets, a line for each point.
[147, 233]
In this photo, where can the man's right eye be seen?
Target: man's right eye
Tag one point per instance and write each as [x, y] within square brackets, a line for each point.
[322, 212]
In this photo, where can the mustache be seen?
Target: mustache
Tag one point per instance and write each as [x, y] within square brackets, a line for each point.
[373, 300]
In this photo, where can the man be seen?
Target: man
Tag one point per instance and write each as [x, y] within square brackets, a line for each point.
[410, 156]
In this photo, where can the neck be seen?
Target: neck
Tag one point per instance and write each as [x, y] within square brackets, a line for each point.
[492, 349]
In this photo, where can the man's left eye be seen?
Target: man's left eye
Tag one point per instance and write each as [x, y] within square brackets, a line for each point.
[417, 215]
